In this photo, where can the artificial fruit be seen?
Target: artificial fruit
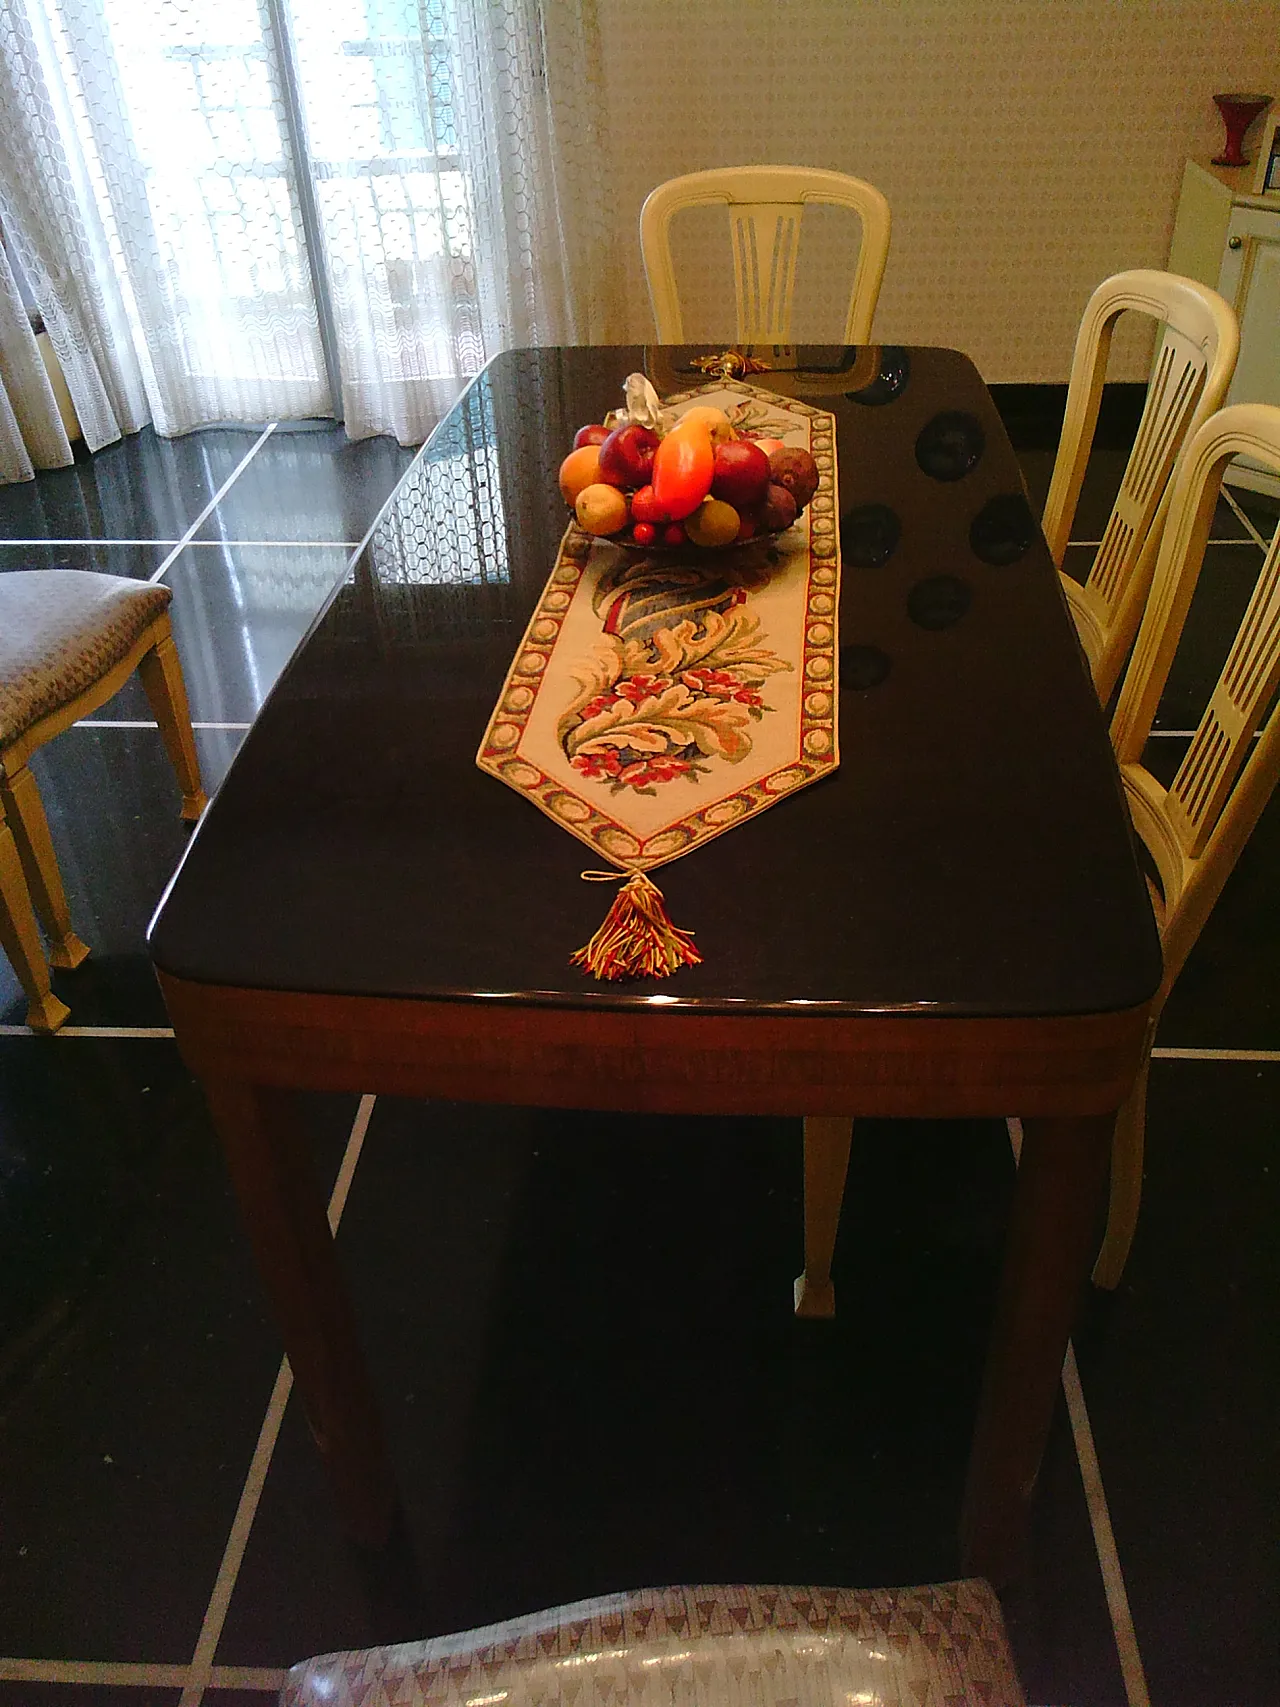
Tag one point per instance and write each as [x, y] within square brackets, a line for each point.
[581, 468]
[683, 465]
[626, 456]
[741, 474]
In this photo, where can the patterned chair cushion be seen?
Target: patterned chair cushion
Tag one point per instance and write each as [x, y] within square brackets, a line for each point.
[940, 1646]
[61, 630]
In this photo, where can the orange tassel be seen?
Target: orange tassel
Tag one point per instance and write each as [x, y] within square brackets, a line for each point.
[637, 939]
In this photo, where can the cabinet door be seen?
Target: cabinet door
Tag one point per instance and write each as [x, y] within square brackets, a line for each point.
[1250, 281]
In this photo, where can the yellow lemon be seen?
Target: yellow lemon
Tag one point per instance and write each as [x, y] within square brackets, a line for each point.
[713, 523]
[601, 509]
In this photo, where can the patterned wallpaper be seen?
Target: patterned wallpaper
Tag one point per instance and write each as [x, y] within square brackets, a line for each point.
[1028, 148]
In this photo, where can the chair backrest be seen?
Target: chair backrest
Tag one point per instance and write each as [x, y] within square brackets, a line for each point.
[1195, 829]
[765, 206]
[1189, 381]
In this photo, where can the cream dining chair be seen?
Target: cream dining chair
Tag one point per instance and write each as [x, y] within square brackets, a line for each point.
[1194, 830]
[1193, 369]
[69, 639]
[765, 206]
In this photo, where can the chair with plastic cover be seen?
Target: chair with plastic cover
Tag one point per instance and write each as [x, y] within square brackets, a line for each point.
[765, 205]
[685, 1647]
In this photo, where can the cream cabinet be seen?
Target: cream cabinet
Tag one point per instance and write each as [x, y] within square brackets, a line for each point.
[1229, 238]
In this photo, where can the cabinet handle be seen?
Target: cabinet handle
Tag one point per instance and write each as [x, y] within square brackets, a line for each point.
[1234, 242]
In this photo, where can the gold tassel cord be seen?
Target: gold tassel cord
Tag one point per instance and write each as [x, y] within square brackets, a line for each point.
[637, 939]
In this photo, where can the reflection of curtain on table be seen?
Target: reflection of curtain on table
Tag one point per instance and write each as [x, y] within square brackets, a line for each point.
[233, 209]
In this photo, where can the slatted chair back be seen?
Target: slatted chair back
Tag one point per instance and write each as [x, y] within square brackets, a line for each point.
[1193, 369]
[1196, 828]
[766, 204]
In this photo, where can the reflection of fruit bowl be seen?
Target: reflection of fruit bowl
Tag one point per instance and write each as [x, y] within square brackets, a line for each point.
[650, 479]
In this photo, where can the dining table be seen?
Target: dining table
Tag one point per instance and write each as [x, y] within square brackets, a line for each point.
[953, 923]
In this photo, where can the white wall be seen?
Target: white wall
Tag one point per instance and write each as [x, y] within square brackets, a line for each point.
[1027, 147]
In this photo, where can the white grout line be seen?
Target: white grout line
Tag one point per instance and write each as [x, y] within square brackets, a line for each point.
[217, 498]
[90, 1031]
[104, 1672]
[201, 1671]
[1243, 519]
[86, 539]
[288, 544]
[1093, 544]
[1215, 1054]
[1185, 734]
[145, 723]
[264, 1678]
[1104, 1540]
[125, 1675]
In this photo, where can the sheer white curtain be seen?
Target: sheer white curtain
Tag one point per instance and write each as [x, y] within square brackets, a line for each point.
[31, 430]
[161, 163]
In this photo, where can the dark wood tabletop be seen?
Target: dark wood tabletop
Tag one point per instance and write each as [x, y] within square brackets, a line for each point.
[970, 857]
[955, 923]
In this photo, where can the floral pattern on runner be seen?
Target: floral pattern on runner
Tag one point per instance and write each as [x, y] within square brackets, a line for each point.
[648, 711]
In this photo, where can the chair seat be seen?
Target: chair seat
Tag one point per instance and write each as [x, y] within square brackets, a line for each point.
[684, 1647]
[62, 630]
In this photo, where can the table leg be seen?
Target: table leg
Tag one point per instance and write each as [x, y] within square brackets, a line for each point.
[284, 1215]
[1053, 1238]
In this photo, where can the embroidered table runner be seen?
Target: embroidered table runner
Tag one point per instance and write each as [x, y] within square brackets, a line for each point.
[659, 699]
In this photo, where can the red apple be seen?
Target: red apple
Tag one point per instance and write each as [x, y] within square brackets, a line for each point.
[646, 508]
[592, 435]
[626, 456]
[741, 474]
[768, 446]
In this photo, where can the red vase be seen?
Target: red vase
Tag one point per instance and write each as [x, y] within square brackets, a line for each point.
[1238, 113]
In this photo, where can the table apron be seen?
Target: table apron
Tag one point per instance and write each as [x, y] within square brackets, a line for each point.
[659, 1062]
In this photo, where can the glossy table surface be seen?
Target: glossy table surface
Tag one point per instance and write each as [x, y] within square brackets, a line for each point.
[971, 857]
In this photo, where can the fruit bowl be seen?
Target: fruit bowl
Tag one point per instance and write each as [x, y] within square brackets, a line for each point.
[683, 483]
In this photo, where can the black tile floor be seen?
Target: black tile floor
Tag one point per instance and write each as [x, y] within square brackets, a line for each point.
[581, 1323]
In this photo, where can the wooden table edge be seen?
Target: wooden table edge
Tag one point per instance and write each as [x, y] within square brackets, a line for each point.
[658, 1061]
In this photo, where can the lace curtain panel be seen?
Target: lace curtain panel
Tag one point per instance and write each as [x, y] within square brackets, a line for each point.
[164, 162]
[31, 430]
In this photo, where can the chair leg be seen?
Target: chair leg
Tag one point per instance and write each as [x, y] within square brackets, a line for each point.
[20, 939]
[1126, 1184]
[161, 675]
[20, 799]
[826, 1161]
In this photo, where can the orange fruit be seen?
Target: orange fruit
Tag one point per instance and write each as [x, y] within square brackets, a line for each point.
[601, 509]
[713, 523]
[579, 469]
